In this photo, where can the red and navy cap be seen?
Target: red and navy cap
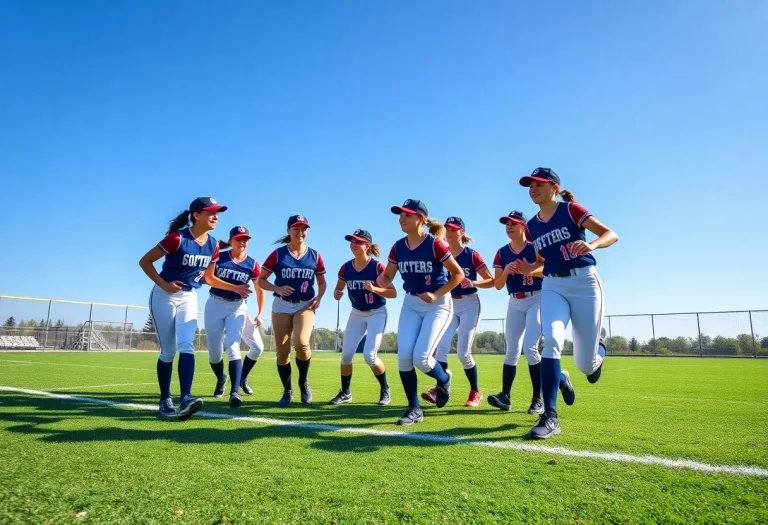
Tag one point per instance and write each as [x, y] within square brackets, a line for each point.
[455, 222]
[239, 232]
[411, 206]
[514, 216]
[541, 175]
[360, 235]
[297, 220]
[205, 204]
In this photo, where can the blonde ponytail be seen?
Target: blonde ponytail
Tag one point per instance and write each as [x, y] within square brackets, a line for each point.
[567, 196]
[374, 250]
[465, 239]
[283, 240]
[436, 228]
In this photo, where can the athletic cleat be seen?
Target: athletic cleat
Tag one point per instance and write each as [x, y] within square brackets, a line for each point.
[430, 396]
[245, 387]
[219, 390]
[444, 391]
[411, 416]
[474, 398]
[306, 394]
[286, 399]
[537, 406]
[547, 426]
[235, 401]
[594, 376]
[384, 397]
[189, 406]
[341, 398]
[566, 389]
[500, 401]
[166, 408]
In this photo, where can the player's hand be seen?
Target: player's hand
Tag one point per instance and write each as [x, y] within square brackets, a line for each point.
[172, 287]
[283, 291]
[338, 294]
[368, 285]
[243, 290]
[428, 297]
[579, 248]
[509, 269]
[524, 267]
[466, 283]
[314, 304]
[258, 321]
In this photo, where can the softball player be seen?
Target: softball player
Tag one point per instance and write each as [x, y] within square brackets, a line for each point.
[466, 308]
[369, 313]
[424, 263]
[296, 266]
[227, 312]
[571, 289]
[188, 251]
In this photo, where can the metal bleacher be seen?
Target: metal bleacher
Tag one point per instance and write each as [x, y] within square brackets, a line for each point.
[18, 342]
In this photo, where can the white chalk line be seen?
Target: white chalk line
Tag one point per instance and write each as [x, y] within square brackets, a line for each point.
[83, 387]
[743, 470]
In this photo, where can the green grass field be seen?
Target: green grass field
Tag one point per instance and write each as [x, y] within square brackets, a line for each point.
[64, 458]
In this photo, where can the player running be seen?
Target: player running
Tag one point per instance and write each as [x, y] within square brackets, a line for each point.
[368, 317]
[424, 262]
[571, 289]
[226, 312]
[523, 323]
[296, 266]
[188, 250]
[466, 309]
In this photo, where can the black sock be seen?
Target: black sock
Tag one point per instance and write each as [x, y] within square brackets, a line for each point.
[383, 380]
[303, 367]
[345, 381]
[507, 378]
[218, 369]
[248, 363]
[471, 374]
[285, 375]
[535, 371]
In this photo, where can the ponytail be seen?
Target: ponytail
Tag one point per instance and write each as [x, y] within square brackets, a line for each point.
[181, 221]
[223, 245]
[374, 250]
[436, 227]
[567, 196]
[285, 239]
[465, 239]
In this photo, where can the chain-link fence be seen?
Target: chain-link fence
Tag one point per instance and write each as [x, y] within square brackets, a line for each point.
[47, 324]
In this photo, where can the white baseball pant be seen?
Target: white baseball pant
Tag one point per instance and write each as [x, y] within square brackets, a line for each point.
[226, 324]
[523, 329]
[372, 321]
[252, 338]
[578, 299]
[419, 330]
[466, 317]
[175, 319]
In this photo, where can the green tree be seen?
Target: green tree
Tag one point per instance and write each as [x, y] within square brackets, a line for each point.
[389, 342]
[680, 345]
[617, 344]
[764, 342]
[634, 346]
[59, 323]
[725, 346]
[747, 345]
[42, 323]
[568, 347]
[149, 325]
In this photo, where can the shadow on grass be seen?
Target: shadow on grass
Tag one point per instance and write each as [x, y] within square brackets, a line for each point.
[36, 415]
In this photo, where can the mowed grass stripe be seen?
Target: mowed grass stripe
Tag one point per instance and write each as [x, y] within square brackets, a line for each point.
[744, 470]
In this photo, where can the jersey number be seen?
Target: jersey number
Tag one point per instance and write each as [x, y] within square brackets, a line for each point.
[527, 280]
[369, 298]
[428, 279]
[304, 286]
[199, 276]
[566, 251]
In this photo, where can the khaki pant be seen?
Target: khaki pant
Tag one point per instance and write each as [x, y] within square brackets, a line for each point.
[296, 326]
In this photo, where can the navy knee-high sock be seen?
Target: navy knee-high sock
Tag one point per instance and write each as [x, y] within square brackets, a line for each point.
[285, 375]
[471, 374]
[346, 381]
[164, 374]
[535, 371]
[382, 379]
[550, 382]
[411, 387]
[186, 373]
[218, 369]
[248, 363]
[438, 373]
[235, 369]
[303, 367]
[507, 378]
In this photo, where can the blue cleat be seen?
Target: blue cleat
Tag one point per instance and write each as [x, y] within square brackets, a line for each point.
[567, 390]
[219, 390]
[286, 399]
[166, 408]
[189, 406]
[547, 426]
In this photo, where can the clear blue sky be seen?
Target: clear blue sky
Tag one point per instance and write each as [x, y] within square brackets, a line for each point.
[115, 115]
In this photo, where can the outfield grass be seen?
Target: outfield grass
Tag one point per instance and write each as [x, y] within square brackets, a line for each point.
[63, 457]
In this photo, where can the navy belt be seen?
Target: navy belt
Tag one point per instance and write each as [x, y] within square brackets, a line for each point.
[292, 301]
[186, 288]
[568, 273]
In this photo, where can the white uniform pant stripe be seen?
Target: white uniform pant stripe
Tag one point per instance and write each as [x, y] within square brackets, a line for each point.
[420, 328]
[523, 329]
[465, 318]
[372, 322]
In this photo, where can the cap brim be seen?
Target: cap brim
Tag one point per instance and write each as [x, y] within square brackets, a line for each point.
[505, 220]
[214, 208]
[240, 236]
[299, 223]
[356, 238]
[526, 181]
[454, 226]
[397, 210]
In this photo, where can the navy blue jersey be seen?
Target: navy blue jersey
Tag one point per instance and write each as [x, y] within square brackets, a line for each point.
[185, 258]
[361, 298]
[421, 267]
[553, 238]
[517, 282]
[471, 262]
[234, 272]
[296, 272]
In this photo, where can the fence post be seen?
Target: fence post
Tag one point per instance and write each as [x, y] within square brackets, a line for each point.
[610, 335]
[47, 324]
[653, 332]
[698, 325]
[90, 327]
[752, 331]
[338, 313]
[125, 324]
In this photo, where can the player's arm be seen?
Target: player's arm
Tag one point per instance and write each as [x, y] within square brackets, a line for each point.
[500, 278]
[260, 299]
[147, 263]
[456, 276]
[322, 285]
[211, 280]
[338, 292]
[388, 292]
[534, 269]
[385, 279]
[605, 237]
[487, 280]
